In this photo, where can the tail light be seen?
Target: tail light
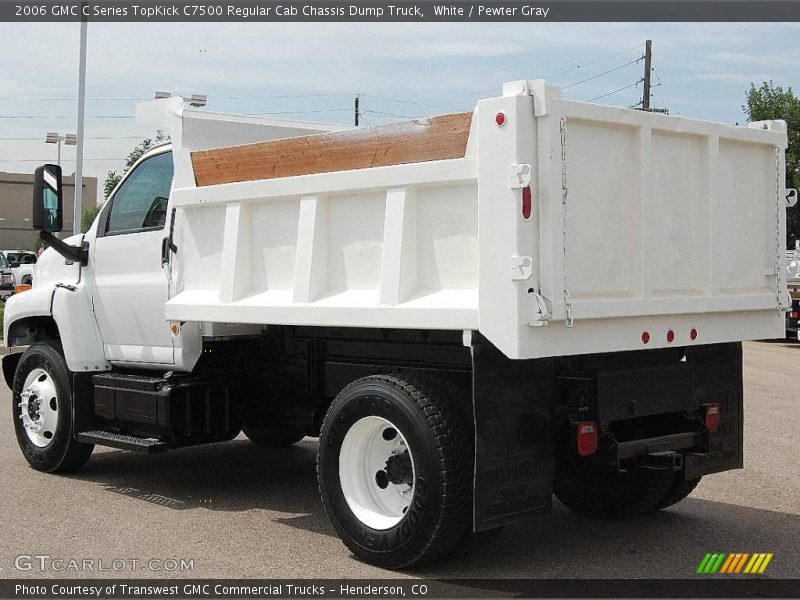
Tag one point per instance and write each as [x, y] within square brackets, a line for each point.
[794, 314]
[712, 417]
[527, 203]
[587, 438]
[22, 287]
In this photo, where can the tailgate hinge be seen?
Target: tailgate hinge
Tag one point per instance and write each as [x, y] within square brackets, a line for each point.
[540, 309]
[519, 175]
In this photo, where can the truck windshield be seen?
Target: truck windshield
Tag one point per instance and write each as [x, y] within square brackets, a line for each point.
[23, 258]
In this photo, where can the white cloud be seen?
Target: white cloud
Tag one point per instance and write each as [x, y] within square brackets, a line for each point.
[768, 60]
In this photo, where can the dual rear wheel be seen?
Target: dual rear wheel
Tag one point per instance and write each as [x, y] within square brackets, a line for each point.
[395, 471]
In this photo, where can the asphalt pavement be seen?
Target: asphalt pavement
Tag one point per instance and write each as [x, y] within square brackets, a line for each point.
[235, 510]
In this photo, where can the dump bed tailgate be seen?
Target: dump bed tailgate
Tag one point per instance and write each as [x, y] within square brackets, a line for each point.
[646, 230]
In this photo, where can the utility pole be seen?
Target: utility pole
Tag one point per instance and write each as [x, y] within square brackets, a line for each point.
[78, 196]
[648, 48]
[356, 111]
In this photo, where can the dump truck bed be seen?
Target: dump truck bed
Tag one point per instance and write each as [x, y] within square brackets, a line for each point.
[550, 226]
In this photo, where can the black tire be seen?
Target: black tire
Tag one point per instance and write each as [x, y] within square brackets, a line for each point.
[63, 454]
[271, 438]
[611, 496]
[679, 490]
[440, 512]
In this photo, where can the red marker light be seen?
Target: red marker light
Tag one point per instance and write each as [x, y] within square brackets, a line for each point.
[527, 203]
[587, 438]
[645, 337]
[693, 334]
[670, 336]
[712, 417]
[500, 119]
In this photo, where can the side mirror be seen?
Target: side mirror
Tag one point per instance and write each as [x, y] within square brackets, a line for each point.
[48, 204]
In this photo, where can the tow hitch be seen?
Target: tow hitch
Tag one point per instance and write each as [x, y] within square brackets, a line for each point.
[663, 461]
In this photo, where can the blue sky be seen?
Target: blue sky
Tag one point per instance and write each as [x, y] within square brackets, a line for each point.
[401, 70]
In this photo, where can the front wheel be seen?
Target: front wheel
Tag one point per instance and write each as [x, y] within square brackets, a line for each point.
[42, 409]
[395, 471]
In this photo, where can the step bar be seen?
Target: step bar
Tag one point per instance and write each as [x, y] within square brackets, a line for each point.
[122, 441]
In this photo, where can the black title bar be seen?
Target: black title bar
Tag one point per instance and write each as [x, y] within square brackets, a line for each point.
[165, 11]
[384, 589]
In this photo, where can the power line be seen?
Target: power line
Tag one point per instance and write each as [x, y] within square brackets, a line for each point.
[416, 102]
[13, 160]
[216, 98]
[298, 112]
[580, 66]
[66, 117]
[465, 94]
[633, 62]
[594, 62]
[381, 113]
[617, 90]
[108, 137]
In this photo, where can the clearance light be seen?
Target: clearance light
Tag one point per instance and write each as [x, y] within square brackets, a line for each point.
[587, 438]
[500, 119]
[693, 334]
[712, 417]
[645, 337]
[527, 203]
[670, 336]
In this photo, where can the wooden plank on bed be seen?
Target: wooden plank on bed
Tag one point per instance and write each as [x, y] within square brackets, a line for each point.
[436, 138]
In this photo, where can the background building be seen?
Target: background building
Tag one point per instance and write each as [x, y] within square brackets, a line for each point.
[16, 200]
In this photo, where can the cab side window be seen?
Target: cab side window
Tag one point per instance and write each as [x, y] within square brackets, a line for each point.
[141, 201]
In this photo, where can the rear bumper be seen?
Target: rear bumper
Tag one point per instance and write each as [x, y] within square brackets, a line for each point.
[676, 442]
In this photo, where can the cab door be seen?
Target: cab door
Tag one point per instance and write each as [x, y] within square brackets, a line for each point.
[131, 287]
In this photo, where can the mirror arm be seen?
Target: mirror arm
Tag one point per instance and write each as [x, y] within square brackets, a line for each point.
[74, 253]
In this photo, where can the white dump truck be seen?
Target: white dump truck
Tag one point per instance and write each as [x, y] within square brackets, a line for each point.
[473, 312]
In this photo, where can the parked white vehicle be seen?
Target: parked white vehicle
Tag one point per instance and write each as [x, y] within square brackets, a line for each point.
[472, 312]
[22, 264]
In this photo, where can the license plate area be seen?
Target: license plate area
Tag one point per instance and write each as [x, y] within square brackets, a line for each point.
[639, 392]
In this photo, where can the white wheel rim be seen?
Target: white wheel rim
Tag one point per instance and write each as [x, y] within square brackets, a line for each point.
[375, 500]
[39, 407]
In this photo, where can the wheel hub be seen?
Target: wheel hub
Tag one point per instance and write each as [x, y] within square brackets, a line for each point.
[39, 407]
[376, 472]
[399, 469]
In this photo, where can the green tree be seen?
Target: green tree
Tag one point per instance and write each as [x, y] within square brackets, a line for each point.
[113, 177]
[87, 216]
[770, 101]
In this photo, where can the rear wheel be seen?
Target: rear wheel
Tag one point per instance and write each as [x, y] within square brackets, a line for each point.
[395, 471]
[611, 495]
[271, 438]
[680, 489]
[42, 408]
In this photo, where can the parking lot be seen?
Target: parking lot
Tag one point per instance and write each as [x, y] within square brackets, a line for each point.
[239, 511]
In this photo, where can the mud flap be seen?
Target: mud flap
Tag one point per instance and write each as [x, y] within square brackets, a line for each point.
[10, 362]
[717, 377]
[514, 449]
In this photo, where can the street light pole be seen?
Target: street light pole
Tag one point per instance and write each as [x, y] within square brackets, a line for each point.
[78, 196]
[69, 139]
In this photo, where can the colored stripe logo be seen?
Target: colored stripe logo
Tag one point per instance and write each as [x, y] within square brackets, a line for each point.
[733, 563]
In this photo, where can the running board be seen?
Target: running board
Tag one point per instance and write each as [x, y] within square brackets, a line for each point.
[122, 441]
